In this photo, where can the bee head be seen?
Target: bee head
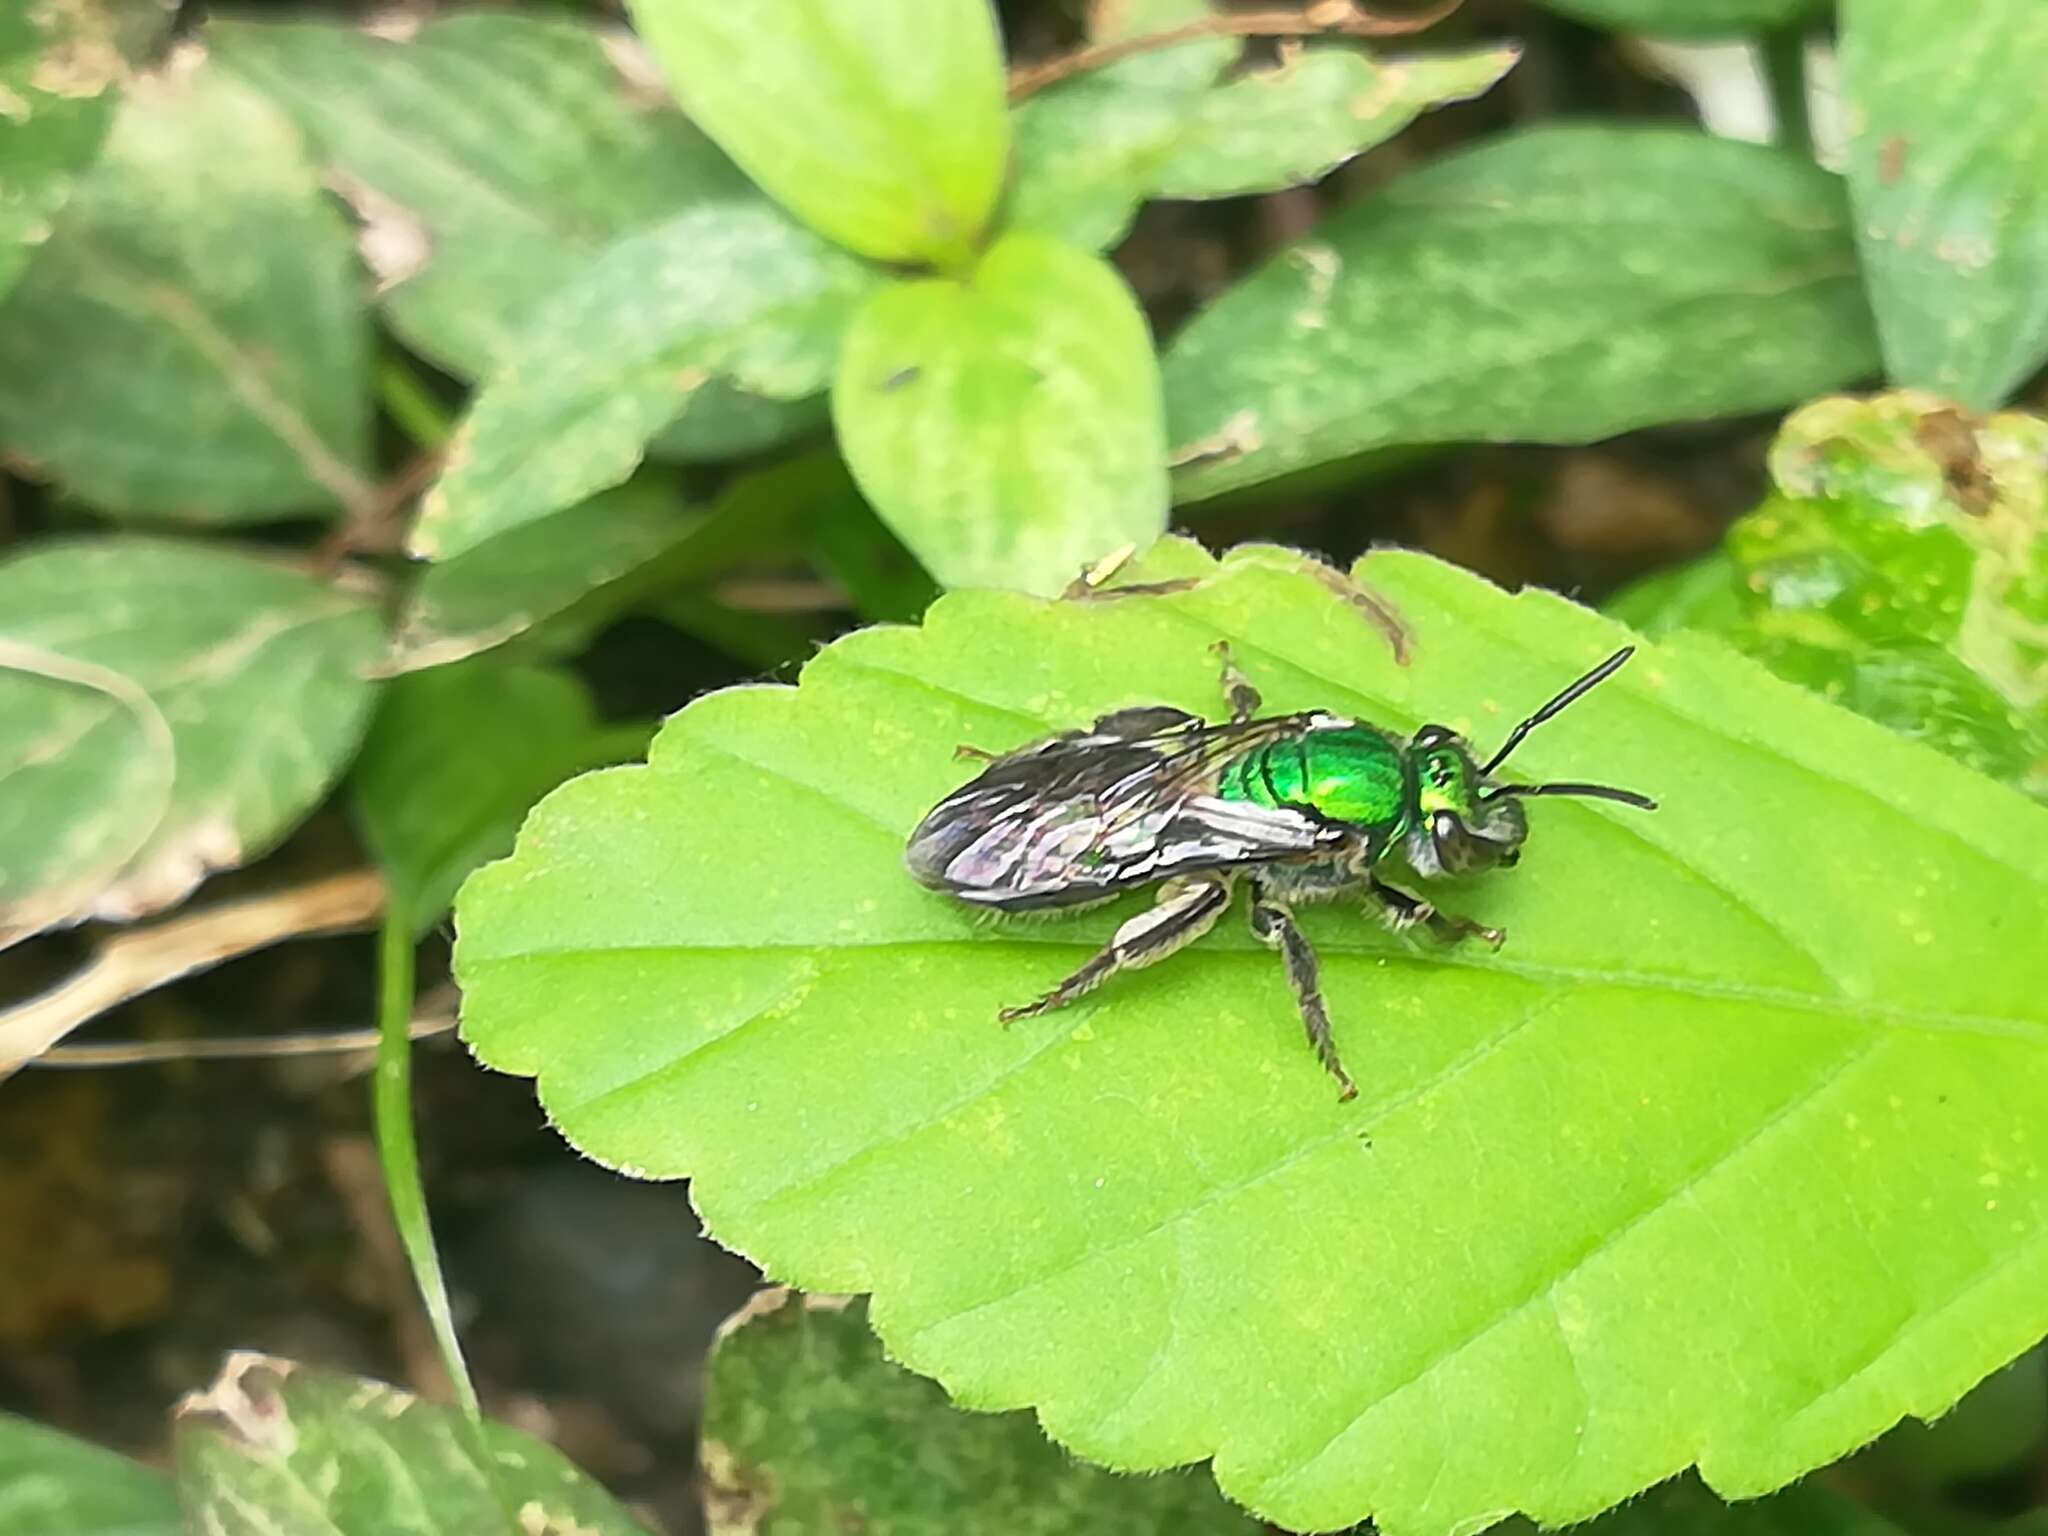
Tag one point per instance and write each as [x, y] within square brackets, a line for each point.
[1465, 819]
[1459, 828]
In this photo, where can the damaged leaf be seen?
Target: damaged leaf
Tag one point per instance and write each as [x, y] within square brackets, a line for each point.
[1610, 1201]
[1560, 284]
[730, 291]
[278, 1449]
[166, 710]
[1901, 569]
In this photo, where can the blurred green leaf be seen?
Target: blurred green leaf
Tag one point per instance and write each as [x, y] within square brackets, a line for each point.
[1558, 285]
[808, 1428]
[1091, 150]
[1901, 569]
[732, 290]
[578, 569]
[490, 156]
[57, 73]
[879, 122]
[456, 758]
[506, 585]
[166, 709]
[277, 1449]
[1948, 173]
[53, 1485]
[1689, 18]
[1734, 1155]
[192, 341]
[1007, 425]
[1306, 116]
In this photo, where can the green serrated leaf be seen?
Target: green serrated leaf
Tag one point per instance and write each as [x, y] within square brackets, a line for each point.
[731, 291]
[1901, 569]
[1732, 1156]
[1557, 285]
[192, 341]
[166, 709]
[1689, 18]
[456, 758]
[277, 1449]
[878, 122]
[54, 1485]
[809, 1429]
[1007, 425]
[1948, 172]
[1089, 152]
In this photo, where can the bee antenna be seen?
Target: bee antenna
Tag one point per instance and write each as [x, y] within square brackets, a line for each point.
[1584, 791]
[1571, 695]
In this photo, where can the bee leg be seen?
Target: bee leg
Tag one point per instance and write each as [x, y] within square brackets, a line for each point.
[1244, 698]
[1405, 911]
[1274, 926]
[1186, 910]
[966, 753]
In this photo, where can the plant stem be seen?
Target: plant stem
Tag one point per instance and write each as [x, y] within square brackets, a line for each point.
[1784, 59]
[411, 405]
[1336, 18]
[399, 1152]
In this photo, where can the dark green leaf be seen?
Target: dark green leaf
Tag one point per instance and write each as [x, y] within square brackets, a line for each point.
[277, 1449]
[1559, 285]
[166, 709]
[879, 122]
[53, 1485]
[1948, 171]
[731, 291]
[1735, 1154]
[192, 340]
[1007, 425]
[457, 757]
[1690, 18]
[1902, 570]
[810, 1431]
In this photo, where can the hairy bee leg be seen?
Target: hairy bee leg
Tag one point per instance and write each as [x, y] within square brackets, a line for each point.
[1186, 910]
[966, 753]
[1377, 611]
[1274, 926]
[1405, 911]
[1244, 698]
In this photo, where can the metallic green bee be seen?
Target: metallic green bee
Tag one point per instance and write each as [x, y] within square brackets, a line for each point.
[1304, 807]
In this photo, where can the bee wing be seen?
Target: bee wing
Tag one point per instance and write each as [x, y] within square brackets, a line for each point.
[1093, 812]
